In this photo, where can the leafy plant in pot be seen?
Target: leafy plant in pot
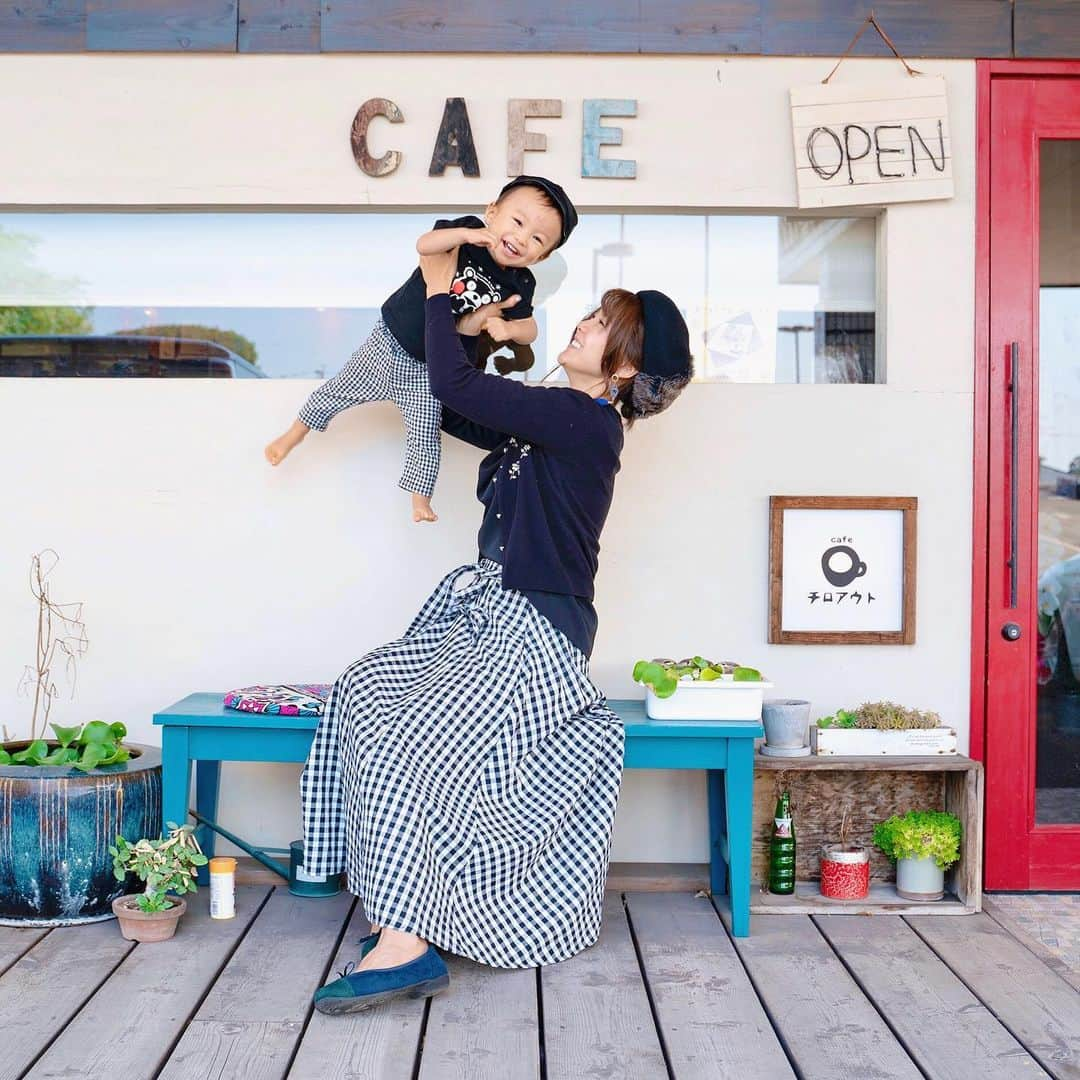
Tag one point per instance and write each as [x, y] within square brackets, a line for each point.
[55, 869]
[165, 866]
[700, 689]
[923, 844]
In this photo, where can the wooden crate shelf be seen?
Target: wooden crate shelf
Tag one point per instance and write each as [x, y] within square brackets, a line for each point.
[874, 788]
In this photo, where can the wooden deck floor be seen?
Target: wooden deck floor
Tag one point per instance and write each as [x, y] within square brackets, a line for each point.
[666, 992]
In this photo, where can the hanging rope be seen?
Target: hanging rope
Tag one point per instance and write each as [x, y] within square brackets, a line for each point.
[870, 20]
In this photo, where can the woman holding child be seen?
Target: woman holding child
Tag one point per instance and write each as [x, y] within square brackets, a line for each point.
[465, 776]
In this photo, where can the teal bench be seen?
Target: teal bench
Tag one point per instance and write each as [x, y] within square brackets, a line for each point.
[200, 730]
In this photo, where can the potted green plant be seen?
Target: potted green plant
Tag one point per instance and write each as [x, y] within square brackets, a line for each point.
[923, 844]
[66, 796]
[882, 727]
[700, 689]
[164, 866]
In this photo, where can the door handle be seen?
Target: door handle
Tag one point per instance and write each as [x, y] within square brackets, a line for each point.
[1014, 447]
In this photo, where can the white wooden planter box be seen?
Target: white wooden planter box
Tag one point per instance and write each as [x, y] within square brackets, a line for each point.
[914, 741]
[721, 699]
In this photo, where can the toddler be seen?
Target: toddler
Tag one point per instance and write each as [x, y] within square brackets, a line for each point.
[531, 218]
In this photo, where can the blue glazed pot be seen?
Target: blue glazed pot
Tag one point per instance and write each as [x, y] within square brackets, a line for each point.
[56, 825]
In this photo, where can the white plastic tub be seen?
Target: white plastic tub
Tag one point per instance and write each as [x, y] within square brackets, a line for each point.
[721, 699]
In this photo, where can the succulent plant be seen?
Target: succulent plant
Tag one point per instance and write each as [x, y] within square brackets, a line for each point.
[881, 716]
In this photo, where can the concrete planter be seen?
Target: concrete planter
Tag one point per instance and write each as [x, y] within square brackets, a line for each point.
[55, 866]
[919, 879]
[786, 721]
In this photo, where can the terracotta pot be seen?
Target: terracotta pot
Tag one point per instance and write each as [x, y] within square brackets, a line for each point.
[146, 926]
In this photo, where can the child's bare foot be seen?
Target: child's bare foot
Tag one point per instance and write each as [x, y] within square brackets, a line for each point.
[277, 451]
[421, 508]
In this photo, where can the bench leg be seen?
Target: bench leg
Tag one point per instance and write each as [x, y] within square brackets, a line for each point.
[207, 785]
[175, 776]
[718, 867]
[740, 802]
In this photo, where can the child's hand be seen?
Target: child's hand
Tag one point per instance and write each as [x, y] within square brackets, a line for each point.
[473, 322]
[480, 237]
[498, 329]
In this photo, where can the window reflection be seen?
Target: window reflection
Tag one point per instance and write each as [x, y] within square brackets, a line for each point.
[286, 295]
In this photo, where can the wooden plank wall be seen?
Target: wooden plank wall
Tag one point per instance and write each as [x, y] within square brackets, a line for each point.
[961, 28]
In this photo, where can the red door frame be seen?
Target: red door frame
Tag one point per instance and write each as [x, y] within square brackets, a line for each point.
[1016, 856]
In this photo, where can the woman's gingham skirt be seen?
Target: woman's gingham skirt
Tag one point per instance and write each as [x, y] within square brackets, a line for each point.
[466, 776]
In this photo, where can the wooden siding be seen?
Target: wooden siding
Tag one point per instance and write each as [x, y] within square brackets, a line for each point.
[920, 28]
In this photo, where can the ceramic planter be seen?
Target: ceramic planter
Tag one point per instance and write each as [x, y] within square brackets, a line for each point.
[845, 872]
[147, 926]
[58, 823]
[919, 879]
[720, 699]
[786, 721]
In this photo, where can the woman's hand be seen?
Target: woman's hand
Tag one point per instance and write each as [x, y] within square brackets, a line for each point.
[471, 323]
[438, 271]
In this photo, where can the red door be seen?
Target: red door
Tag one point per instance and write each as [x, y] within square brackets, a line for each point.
[1028, 474]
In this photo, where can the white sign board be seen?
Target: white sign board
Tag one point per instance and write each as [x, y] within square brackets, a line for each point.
[872, 142]
[843, 570]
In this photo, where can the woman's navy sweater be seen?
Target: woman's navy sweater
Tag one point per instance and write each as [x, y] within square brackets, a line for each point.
[553, 453]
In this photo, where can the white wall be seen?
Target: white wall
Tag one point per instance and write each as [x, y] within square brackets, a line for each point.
[202, 568]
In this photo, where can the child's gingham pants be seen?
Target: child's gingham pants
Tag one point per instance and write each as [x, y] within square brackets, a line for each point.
[381, 370]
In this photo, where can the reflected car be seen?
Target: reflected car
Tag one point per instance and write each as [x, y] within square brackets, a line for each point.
[120, 356]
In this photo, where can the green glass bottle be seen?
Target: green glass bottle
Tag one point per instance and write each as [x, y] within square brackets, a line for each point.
[782, 849]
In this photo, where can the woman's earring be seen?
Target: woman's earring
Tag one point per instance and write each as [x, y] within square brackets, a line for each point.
[613, 388]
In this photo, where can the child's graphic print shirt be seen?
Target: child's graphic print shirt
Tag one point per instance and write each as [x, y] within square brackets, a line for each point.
[479, 280]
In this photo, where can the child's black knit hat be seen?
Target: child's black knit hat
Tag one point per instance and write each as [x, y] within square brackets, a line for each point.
[557, 196]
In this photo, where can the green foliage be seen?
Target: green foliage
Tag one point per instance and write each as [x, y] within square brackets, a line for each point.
[881, 716]
[83, 748]
[239, 344]
[918, 834]
[842, 718]
[664, 675]
[163, 865]
[31, 321]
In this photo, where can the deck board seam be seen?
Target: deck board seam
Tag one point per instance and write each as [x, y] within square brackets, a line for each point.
[540, 1044]
[1031, 943]
[648, 989]
[784, 1046]
[163, 1061]
[33, 945]
[982, 1000]
[75, 1015]
[306, 1023]
[901, 1041]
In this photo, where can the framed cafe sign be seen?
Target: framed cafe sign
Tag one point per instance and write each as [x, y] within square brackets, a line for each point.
[841, 570]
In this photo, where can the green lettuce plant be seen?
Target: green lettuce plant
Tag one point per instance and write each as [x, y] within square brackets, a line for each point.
[918, 834]
[664, 675]
[164, 865]
[82, 748]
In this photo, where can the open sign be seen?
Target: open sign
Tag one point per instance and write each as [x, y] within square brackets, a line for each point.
[868, 143]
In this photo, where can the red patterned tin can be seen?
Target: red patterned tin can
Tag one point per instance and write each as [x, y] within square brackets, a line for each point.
[845, 872]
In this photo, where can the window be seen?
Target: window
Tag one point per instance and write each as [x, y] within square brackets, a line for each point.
[292, 295]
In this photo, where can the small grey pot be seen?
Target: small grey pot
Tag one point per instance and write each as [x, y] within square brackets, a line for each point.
[787, 727]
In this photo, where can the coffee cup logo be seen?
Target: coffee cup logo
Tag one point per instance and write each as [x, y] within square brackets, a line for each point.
[842, 578]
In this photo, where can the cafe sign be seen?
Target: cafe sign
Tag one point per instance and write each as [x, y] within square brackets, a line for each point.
[874, 142]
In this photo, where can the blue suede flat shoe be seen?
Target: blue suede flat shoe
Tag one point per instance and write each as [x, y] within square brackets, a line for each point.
[368, 943]
[358, 990]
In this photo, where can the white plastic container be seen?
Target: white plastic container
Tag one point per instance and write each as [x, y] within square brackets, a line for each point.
[720, 699]
[222, 888]
[905, 742]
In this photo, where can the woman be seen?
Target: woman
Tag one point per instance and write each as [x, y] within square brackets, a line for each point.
[466, 775]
